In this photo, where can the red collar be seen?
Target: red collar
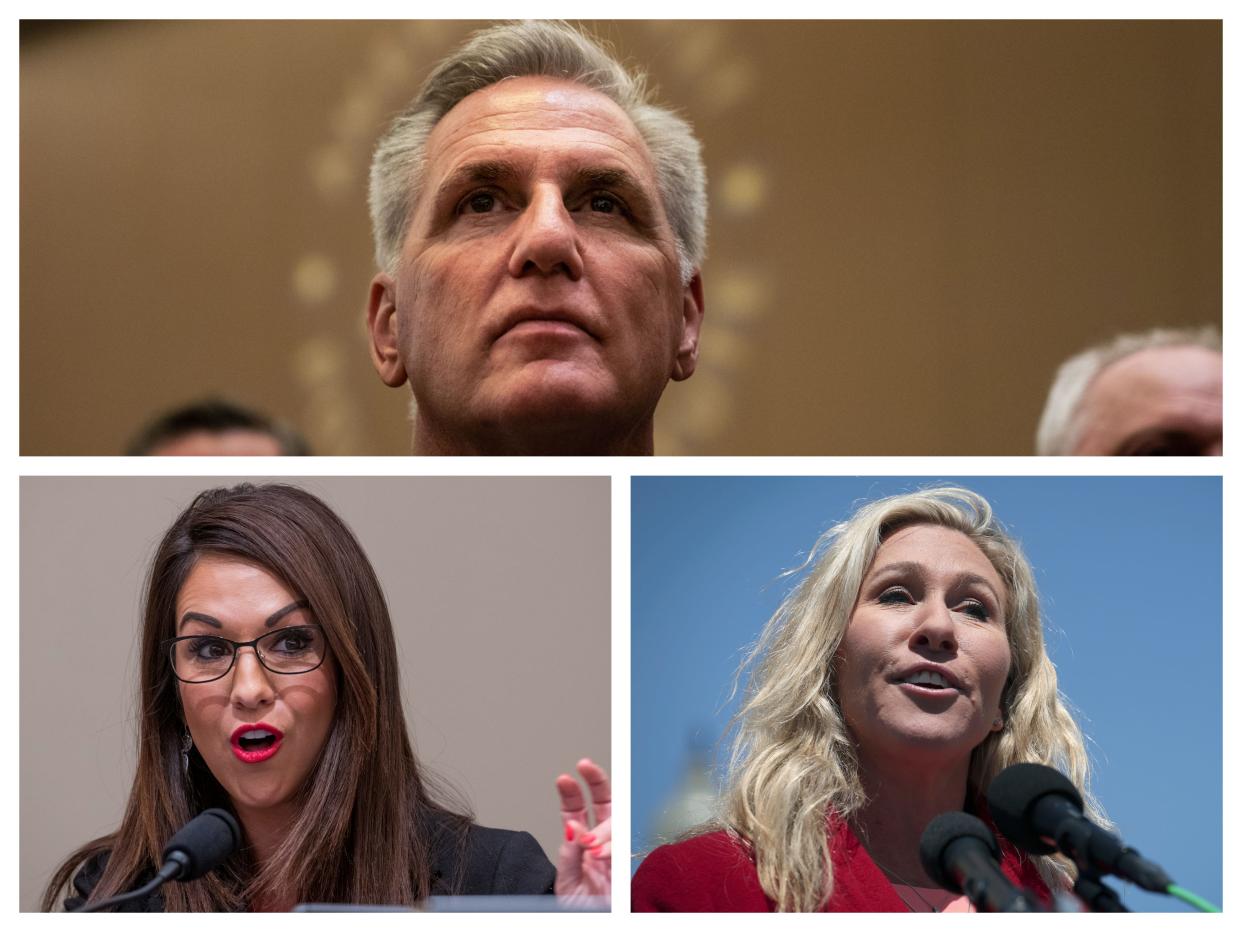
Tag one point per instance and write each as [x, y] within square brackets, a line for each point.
[859, 886]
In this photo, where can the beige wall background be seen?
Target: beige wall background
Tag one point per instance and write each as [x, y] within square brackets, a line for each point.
[912, 222]
[498, 589]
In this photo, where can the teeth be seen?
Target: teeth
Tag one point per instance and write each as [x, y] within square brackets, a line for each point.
[927, 677]
[256, 734]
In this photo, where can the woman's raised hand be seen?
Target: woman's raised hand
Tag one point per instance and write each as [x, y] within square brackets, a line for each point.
[584, 865]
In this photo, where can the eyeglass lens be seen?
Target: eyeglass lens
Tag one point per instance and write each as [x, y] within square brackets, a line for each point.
[288, 650]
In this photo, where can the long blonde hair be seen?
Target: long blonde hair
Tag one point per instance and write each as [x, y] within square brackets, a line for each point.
[793, 761]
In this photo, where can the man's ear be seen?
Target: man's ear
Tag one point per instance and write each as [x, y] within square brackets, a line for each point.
[382, 328]
[692, 321]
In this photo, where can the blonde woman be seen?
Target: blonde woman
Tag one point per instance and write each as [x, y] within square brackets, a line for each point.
[904, 672]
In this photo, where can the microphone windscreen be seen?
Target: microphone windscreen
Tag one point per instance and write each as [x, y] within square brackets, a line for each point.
[206, 841]
[940, 833]
[1012, 798]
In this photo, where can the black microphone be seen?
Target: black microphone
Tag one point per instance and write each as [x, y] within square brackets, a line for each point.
[959, 852]
[199, 847]
[202, 844]
[1040, 811]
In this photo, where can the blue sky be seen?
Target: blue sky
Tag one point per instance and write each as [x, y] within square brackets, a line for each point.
[1129, 571]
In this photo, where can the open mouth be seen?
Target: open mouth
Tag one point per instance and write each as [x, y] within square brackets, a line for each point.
[257, 742]
[925, 688]
[928, 681]
[254, 743]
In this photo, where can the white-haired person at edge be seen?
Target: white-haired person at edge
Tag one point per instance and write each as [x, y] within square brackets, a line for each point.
[539, 225]
[269, 687]
[903, 673]
[1158, 393]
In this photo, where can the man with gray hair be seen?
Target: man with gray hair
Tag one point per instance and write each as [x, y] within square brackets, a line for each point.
[539, 228]
[1147, 394]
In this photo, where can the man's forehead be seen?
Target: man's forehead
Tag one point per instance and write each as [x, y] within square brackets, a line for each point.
[1175, 385]
[1159, 370]
[522, 111]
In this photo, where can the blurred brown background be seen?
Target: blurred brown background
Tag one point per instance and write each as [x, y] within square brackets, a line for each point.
[912, 223]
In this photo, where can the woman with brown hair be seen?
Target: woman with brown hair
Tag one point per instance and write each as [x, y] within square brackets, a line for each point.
[269, 687]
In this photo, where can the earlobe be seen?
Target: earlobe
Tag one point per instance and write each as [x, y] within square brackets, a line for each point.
[692, 321]
[382, 328]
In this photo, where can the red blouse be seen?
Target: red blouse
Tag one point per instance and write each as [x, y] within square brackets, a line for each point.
[714, 873]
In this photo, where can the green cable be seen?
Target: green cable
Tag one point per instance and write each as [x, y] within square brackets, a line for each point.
[1186, 896]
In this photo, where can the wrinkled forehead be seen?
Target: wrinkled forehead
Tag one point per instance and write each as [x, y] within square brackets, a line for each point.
[537, 116]
[1145, 382]
[1162, 369]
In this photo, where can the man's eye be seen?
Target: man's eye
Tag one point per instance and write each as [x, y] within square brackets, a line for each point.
[604, 203]
[1170, 447]
[1160, 443]
[480, 203]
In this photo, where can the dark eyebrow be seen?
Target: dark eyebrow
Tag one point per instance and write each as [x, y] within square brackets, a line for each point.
[976, 579]
[288, 609]
[906, 566]
[271, 619]
[488, 172]
[617, 179]
[199, 616]
[1181, 441]
[499, 171]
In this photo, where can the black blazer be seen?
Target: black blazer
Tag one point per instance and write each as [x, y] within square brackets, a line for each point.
[492, 861]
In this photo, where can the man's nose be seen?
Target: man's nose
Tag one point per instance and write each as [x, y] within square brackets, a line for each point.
[252, 684]
[934, 627]
[546, 240]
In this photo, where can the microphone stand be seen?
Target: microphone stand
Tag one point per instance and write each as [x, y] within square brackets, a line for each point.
[198, 847]
[170, 870]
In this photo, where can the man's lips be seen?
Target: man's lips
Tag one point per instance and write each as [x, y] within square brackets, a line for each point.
[544, 321]
[252, 744]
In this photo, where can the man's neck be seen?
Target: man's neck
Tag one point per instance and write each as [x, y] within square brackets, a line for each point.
[432, 440]
[901, 801]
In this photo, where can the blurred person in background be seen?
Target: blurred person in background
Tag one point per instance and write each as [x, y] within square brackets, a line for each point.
[215, 427]
[1157, 393]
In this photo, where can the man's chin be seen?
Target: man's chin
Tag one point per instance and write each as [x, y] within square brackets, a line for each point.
[542, 408]
[550, 392]
[562, 412]
[557, 411]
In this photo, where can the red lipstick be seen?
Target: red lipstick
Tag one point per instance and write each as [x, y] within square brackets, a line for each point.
[253, 744]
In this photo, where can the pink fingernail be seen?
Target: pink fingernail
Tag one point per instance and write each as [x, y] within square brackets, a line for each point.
[600, 853]
[588, 839]
[569, 832]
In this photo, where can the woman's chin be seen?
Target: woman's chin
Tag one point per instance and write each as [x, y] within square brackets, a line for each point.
[947, 739]
[258, 797]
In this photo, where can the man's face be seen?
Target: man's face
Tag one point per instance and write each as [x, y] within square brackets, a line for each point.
[1160, 401]
[239, 442]
[538, 291]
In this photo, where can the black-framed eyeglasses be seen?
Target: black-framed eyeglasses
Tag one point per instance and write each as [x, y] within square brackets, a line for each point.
[201, 658]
